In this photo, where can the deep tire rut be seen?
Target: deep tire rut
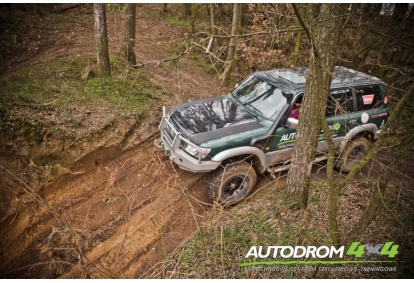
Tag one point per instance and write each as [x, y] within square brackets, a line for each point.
[127, 212]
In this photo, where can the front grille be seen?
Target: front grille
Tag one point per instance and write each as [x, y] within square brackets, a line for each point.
[168, 133]
[173, 140]
[183, 144]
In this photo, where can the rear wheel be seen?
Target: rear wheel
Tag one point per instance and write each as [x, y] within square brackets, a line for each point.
[231, 183]
[354, 152]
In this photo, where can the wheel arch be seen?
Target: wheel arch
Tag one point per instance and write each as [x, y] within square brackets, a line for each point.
[367, 130]
[252, 154]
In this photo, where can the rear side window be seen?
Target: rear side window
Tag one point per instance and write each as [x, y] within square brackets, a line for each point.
[368, 97]
[340, 102]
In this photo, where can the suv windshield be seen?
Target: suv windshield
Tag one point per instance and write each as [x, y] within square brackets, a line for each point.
[261, 97]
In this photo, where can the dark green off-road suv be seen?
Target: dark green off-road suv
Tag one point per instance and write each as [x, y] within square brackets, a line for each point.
[252, 129]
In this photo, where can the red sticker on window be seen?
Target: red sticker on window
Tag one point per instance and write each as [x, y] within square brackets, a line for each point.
[368, 98]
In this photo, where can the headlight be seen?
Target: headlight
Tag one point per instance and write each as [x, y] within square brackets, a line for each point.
[191, 150]
[195, 150]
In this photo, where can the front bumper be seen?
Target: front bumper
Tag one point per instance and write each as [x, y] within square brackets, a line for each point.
[173, 142]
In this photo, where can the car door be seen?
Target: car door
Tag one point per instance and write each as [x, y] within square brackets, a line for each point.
[340, 116]
[370, 105]
[279, 148]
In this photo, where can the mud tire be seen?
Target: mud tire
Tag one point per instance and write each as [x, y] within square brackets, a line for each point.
[353, 153]
[231, 183]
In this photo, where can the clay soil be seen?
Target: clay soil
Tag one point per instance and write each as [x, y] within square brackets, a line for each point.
[120, 208]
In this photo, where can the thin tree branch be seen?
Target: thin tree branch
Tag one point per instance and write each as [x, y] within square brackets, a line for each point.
[293, 29]
[306, 29]
[156, 63]
[396, 30]
[210, 53]
[382, 34]
[381, 140]
[37, 264]
[31, 192]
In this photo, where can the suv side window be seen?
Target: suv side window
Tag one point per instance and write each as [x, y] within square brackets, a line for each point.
[368, 97]
[340, 102]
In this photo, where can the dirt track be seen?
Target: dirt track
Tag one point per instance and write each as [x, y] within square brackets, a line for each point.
[120, 209]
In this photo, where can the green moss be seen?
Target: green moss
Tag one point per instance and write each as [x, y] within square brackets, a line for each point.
[57, 87]
[61, 82]
[172, 20]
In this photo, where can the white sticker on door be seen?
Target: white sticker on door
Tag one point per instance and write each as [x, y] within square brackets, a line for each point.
[364, 117]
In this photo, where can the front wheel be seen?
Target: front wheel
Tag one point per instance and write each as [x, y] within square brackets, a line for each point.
[230, 184]
[354, 152]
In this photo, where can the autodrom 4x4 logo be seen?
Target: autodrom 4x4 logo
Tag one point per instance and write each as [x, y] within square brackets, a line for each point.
[290, 137]
[358, 250]
[305, 255]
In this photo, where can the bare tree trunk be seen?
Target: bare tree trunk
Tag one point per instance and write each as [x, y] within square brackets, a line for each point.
[237, 8]
[165, 7]
[411, 15]
[186, 8]
[101, 40]
[371, 9]
[324, 37]
[212, 9]
[298, 39]
[400, 11]
[128, 45]
[193, 17]
[296, 49]
[213, 24]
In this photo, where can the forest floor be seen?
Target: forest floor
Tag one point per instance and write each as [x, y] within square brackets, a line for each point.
[120, 199]
[107, 203]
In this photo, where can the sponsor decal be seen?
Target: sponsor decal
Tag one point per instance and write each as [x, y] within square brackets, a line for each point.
[288, 139]
[364, 117]
[368, 99]
[379, 115]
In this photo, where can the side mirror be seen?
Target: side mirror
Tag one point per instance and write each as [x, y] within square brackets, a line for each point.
[236, 85]
[292, 123]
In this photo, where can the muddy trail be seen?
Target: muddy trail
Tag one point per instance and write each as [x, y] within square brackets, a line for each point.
[117, 213]
[118, 209]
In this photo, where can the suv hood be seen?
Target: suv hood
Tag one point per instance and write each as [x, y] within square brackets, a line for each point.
[212, 118]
